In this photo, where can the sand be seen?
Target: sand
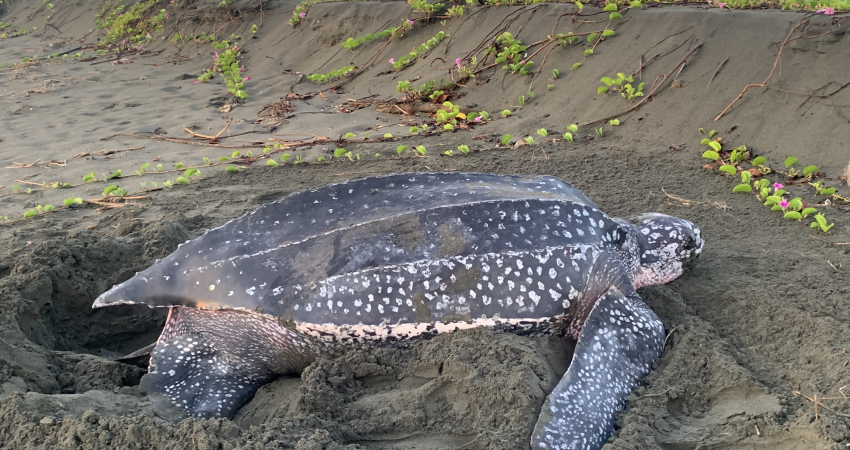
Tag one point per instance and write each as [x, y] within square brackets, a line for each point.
[757, 326]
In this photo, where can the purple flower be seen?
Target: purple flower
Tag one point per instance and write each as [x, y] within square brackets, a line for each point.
[828, 11]
[303, 15]
[167, 15]
[247, 78]
[409, 22]
[392, 60]
[196, 82]
[457, 61]
[777, 186]
[783, 203]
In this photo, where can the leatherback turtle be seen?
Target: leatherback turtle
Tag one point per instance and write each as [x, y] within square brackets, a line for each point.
[395, 259]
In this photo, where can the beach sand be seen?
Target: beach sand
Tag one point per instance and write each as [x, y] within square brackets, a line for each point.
[757, 328]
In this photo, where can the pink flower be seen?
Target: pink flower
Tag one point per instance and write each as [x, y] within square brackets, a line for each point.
[196, 82]
[783, 203]
[392, 60]
[247, 78]
[409, 22]
[303, 15]
[123, 42]
[167, 15]
[457, 61]
[478, 119]
[828, 11]
[777, 186]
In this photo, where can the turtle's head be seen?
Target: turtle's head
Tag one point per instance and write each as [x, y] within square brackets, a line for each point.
[666, 245]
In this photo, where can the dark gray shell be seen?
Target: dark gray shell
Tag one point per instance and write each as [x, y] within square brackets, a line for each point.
[314, 255]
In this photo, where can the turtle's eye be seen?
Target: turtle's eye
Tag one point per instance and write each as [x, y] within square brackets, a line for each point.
[690, 243]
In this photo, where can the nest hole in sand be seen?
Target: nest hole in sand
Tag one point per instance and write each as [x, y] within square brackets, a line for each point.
[63, 277]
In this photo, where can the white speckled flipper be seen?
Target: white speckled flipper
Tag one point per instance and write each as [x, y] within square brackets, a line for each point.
[619, 342]
[209, 363]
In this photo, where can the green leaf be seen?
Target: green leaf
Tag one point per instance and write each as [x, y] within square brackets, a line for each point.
[400, 149]
[231, 168]
[109, 189]
[68, 201]
[339, 152]
[421, 149]
[614, 16]
[190, 172]
[506, 139]
[827, 191]
[715, 145]
[795, 204]
[573, 128]
[745, 177]
[728, 169]
[607, 80]
[790, 161]
[711, 154]
[742, 188]
[30, 213]
[568, 137]
[543, 132]
[807, 211]
[592, 36]
[810, 170]
[576, 66]
[601, 90]
[588, 52]
[506, 113]
[635, 4]
[607, 33]
[178, 165]
[271, 162]
[759, 161]
[793, 215]
[349, 135]
[614, 122]
[182, 180]
[48, 208]
[705, 141]
[224, 158]
[610, 7]
[284, 157]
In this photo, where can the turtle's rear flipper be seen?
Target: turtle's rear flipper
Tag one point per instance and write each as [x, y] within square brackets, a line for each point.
[140, 357]
[189, 377]
[618, 344]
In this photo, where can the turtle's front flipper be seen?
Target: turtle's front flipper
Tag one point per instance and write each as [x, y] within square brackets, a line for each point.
[209, 363]
[618, 344]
